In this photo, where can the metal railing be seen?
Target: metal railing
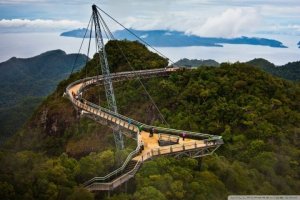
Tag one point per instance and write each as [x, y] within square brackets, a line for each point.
[117, 171]
[95, 184]
[115, 183]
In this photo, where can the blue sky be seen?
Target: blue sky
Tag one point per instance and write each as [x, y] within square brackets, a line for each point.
[226, 18]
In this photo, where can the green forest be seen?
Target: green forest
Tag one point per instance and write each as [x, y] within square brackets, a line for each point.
[289, 71]
[257, 114]
[196, 63]
[25, 82]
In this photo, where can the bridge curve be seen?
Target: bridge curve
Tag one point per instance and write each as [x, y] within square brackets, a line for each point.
[195, 144]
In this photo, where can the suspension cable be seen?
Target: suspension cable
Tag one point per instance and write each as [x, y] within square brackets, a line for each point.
[80, 46]
[144, 87]
[106, 34]
[89, 45]
[138, 78]
[102, 21]
[97, 69]
[143, 41]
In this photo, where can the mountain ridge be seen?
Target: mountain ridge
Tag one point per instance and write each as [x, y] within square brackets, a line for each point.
[289, 71]
[30, 78]
[196, 63]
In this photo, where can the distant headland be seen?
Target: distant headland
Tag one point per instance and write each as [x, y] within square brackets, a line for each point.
[165, 38]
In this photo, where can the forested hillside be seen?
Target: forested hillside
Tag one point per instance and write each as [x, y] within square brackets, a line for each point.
[25, 82]
[289, 71]
[196, 63]
[258, 117]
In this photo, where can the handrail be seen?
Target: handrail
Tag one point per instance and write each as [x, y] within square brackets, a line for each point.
[148, 127]
[115, 172]
[159, 129]
[160, 150]
[129, 157]
[137, 165]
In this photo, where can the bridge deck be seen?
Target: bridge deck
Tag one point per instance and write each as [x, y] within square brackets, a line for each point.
[75, 88]
[151, 146]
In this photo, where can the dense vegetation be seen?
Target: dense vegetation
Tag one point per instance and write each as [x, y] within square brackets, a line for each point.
[25, 82]
[55, 152]
[258, 116]
[196, 63]
[289, 71]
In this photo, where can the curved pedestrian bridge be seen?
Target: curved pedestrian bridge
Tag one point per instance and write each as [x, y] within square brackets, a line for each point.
[193, 145]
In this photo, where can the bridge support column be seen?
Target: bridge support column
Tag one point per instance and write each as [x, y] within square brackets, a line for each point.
[199, 163]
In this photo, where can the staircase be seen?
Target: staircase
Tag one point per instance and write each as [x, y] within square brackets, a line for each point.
[127, 169]
[127, 174]
[130, 166]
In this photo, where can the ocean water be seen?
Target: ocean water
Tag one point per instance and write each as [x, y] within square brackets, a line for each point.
[241, 53]
[30, 44]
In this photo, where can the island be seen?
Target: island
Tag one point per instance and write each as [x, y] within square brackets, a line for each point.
[166, 38]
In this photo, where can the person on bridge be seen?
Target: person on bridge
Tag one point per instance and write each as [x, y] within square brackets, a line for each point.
[129, 121]
[151, 132]
[183, 135]
[142, 147]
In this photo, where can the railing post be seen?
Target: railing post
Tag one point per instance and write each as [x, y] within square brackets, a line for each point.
[171, 149]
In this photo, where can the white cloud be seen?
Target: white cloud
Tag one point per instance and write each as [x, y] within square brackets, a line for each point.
[230, 23]
[228, 18]
[283, 29]
[20, 1]
[37, 25]
[285, 10]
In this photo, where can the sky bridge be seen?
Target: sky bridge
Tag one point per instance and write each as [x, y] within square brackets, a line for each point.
[194, 145]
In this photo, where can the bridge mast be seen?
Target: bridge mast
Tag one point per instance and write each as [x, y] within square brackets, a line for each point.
[109, 90]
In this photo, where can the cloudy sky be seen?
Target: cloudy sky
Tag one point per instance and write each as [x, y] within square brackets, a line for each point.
[226, 18]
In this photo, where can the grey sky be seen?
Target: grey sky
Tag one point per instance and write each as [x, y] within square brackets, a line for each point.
[227, 18]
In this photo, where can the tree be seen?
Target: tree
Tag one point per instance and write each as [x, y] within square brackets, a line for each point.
[6, 191]
[149, 193]
[80, 193]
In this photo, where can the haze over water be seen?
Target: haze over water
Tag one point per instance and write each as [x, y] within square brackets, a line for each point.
[30, 44]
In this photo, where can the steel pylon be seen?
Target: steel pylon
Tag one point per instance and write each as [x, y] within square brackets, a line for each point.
[109, 90]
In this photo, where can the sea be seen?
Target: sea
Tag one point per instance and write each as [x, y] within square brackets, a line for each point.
[24, 45]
